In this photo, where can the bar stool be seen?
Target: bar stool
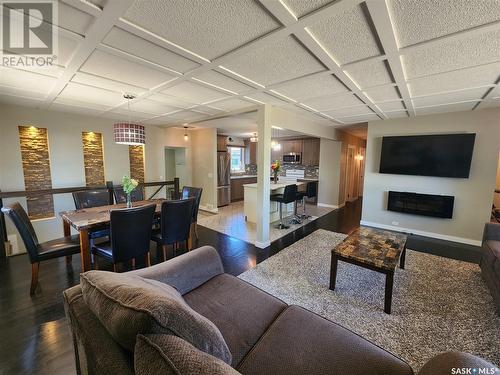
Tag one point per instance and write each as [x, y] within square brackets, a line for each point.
[288, 196]
[311, 192]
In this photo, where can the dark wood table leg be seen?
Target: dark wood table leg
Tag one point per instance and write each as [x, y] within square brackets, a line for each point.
[389, 283]
[85, 250]
[67, 232]
[403, 258]
[333, 271]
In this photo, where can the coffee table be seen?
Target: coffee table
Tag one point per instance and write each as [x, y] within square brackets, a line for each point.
[374, 249]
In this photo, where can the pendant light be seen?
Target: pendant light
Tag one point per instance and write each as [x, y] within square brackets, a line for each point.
[186, 136]
[129, 133]
[254, 139]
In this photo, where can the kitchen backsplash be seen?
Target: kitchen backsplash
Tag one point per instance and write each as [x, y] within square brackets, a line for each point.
[310, 171]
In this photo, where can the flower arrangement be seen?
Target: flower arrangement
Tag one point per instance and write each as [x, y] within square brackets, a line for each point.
[276, 167]
[129, 185]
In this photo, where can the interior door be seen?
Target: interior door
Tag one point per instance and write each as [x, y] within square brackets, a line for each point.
[350, 174]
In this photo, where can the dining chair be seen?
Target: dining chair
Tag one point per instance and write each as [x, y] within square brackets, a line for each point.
[91, 198]
[193, 192]
[175, 224]
[130, 235]
[38, 252]
[121, 197]
[288, 196]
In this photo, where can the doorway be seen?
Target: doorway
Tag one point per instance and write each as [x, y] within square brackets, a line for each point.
[495, 210]
[350, 175]
[175, 165]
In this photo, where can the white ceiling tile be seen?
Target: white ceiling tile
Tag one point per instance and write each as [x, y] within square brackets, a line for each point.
[20, 100]
[144, 49]
[220, 80]
[452, 54]
[25, 80]
[397, 114]
[369, 73]
[334, 102]
[267, 99]
[383, 93]
[450, 97]
[88, 94]
[186, 115]
[169, 100]
[151, 106]
[496, 92]
[493, 103]
[163, 120]
[455, 80]
[194, 93]
[391, 106]
[78, 108]
[418, 21]
[206, 110]
[351, 111]
[231, 104]
[312, 86]
[302, 7]
[208, 28]
[277, 62]
[91, 108]
[124, 114]
[347, 36]
[66, 48]
[356, 119]
[457, 107]
[52, 71]
[100, 3]
[73, 19]
[104, 83]
[109, 66]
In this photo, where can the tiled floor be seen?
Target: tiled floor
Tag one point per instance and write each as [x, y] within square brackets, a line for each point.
[230, 220]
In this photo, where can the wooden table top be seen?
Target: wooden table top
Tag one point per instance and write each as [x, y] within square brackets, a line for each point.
[375, 247]
[87, 218]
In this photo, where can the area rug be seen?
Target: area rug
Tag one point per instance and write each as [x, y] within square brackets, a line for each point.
[438, 304]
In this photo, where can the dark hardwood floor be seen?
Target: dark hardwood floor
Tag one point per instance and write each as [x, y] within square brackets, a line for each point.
[34, 336]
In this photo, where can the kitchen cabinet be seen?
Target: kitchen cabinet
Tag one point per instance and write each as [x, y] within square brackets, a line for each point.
[250, 152]
[310, 151]
[221, 143]
[291, 146]
[237, 190]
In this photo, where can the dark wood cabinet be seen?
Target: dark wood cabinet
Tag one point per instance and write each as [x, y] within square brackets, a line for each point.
[310, 151]
[221, 143]
[237, 190]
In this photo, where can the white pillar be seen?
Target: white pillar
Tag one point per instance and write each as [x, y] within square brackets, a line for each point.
[263, 175]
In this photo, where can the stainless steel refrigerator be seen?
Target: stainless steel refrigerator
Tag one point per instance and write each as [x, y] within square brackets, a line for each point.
[223, 179]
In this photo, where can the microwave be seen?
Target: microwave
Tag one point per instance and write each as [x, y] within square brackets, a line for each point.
[292, 158]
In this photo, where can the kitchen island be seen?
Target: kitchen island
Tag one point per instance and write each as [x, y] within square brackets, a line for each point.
[250, 201]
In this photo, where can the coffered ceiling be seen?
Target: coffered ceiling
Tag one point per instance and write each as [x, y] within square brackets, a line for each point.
[336, 62]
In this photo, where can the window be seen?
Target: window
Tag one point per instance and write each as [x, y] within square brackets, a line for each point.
[237, 159]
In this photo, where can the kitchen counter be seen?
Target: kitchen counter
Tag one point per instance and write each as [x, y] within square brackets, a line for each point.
[273, 186]
[236, 177]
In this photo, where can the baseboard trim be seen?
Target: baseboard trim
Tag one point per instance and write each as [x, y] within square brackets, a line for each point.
[262, 245]
[212, 210]
[439, 236]
[327, 205]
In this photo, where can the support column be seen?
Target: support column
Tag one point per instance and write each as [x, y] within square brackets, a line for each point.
[263, 175]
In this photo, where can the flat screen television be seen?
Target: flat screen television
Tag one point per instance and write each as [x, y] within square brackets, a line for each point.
[443, 155]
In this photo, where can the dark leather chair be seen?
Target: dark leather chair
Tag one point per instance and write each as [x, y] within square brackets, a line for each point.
[310, 192]
[193, 192]
[130, 234]
[91, 198]
[121, 197]
[38, 252]
[288, 196]
[175, 224]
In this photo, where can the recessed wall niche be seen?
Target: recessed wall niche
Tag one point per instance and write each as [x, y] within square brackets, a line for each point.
[93, 158]
[36, 169]
[136, 157]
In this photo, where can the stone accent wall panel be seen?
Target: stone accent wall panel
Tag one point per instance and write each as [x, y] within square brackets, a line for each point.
[93, 158]
[136, 157]
[34, 144]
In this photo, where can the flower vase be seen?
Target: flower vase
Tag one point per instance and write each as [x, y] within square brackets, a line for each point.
[129, 201]
[275, 177]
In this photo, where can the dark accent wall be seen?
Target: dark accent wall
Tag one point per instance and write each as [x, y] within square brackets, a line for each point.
[36, 168]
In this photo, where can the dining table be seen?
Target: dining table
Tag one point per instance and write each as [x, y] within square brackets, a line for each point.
[95, 219]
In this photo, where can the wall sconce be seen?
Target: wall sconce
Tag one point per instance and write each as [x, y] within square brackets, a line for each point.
[359, 157]
[254, 138]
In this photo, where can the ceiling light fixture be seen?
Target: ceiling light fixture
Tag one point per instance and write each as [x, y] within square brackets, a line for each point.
[254, 138]
[129, 133]
[186, 136]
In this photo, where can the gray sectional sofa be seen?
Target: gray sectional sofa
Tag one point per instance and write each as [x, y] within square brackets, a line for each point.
[490, 260]
[186, 316]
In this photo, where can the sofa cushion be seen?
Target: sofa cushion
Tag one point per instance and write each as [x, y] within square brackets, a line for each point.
[241, 311]
[167, 354]
[443, 363]
[301, 342]
[492, 251]
[128, 304]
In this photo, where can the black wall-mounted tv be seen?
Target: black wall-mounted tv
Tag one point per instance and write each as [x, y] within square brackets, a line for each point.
[443, 155]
